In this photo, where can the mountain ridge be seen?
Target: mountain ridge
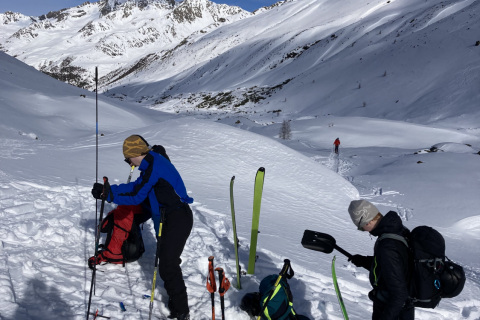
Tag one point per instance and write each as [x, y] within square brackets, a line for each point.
[106, 31]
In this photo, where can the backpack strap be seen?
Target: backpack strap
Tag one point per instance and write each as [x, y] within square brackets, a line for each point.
[393, 236]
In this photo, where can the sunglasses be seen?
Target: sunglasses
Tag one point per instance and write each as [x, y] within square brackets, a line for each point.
[127, 160]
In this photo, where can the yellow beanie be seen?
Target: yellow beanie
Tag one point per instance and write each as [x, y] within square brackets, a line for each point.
[135, 146]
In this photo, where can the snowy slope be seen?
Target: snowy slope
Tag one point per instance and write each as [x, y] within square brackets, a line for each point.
[48, 219]
[54, 106]
[398, 60]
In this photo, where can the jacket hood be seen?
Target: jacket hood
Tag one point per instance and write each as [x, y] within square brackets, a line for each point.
[390, 223]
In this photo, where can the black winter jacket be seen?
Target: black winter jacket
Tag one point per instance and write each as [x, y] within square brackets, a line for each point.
[389, 268]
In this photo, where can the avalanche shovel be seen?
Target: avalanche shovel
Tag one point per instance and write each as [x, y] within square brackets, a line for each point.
[322, 242]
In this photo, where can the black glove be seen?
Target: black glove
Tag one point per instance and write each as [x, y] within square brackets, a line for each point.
[97, 191]
[102, 191]
[361, 261]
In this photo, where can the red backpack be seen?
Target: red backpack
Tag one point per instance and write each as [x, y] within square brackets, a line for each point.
[124, 241]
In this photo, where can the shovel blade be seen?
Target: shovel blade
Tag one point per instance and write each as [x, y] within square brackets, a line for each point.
[318, 241]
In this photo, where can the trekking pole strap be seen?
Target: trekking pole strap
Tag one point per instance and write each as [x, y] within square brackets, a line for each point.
[224, 282]
[211, 284]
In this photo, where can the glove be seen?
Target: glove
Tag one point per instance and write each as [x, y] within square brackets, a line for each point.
[361, 261]
[102, 191]
[97, 191]
[92, 261]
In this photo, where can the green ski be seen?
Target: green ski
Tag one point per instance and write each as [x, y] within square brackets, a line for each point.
[337, 290]
[257, 200]
[235, 238]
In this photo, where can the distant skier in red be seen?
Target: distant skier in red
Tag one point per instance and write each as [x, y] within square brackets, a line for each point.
[336, 143]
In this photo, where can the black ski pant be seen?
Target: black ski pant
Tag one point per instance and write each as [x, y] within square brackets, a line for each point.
[176, 229]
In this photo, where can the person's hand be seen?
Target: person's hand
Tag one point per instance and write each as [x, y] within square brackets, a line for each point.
[97, 191]
[102, 191]
[361, 261]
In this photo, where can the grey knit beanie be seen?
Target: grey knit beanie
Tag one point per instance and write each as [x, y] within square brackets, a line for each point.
[362, 212]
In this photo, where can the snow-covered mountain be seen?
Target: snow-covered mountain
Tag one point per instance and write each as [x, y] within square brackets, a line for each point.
[67, 44]
[198, 56]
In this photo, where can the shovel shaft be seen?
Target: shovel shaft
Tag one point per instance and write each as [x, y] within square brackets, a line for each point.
[344, 252]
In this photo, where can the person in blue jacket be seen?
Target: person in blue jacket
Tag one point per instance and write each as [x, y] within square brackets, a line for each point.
[161, 190]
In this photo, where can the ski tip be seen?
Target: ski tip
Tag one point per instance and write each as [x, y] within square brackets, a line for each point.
[233, 178]
[262, 169]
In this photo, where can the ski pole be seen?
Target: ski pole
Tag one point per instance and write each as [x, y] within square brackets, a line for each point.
[157, 258]
[96, 117]
[92, 286]
[130, 175]
[224, 285]
[97, 240]
[283, 273]
[211, 284]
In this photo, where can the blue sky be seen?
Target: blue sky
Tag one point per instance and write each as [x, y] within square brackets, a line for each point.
[37, 7]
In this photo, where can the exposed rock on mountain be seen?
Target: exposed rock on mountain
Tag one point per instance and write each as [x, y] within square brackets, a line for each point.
[115, 34]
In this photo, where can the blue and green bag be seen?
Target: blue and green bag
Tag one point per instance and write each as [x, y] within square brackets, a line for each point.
[280, 305]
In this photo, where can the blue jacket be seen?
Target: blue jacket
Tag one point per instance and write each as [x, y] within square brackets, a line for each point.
[158, 186]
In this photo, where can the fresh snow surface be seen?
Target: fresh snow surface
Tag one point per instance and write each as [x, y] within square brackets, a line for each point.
[48, 215]
[48, 153]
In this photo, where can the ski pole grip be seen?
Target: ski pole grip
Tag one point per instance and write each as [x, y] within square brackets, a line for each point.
[286, 266]
[287, 270]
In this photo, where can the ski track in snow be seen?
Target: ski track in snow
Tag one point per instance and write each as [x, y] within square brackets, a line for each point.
[58, 237]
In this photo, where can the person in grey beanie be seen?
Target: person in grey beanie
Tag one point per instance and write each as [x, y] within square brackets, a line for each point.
[389, 269]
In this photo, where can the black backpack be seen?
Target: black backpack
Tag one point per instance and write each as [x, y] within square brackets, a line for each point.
[432, 275]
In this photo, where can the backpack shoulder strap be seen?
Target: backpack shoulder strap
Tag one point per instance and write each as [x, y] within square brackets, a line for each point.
[405, 242]
[393, 236]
